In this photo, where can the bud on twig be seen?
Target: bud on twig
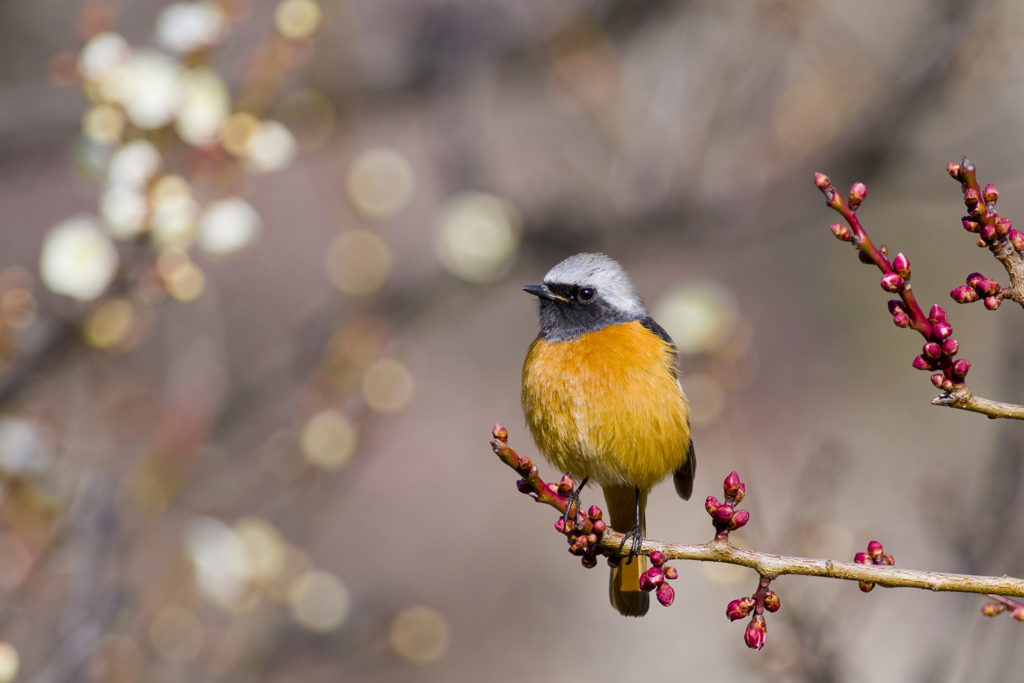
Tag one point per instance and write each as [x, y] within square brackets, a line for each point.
[739, 608]
[841, 231]
[937, 379]
[901, 265]
[892, 282]
[757, 633]
[950, 347]
[858, 191]
[971, 225]
[954, 170]
[961, 367]
[941, 331]
[991, 194]
[964, 295]
[822, 181]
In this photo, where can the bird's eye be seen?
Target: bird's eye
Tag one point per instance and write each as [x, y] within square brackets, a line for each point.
[586, 294]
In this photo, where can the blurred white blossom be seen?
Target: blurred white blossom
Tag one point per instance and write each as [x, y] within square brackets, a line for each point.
[271, 147]
[185, 27]
[148, 87]
[101, 54]
[205, 104]
[228, 225]
[77, 259]
[124, 209]
[134, 164]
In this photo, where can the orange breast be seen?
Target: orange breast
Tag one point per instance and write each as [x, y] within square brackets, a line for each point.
[606, 406]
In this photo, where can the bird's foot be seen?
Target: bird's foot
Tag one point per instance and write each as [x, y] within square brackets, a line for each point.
[574, 500]
[636, 538]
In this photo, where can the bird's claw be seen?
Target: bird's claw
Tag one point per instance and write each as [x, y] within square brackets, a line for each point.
[636, 538]
[573, 499]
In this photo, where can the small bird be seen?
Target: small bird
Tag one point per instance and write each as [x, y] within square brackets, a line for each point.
[602, 398]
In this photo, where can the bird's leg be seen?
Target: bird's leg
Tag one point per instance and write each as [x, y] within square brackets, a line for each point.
[574, 498]
[636, 533]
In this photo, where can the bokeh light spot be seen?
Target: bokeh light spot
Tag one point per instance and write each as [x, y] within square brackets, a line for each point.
[476, 236]
[319, 601]
[358, 262]
[227, 226]
[77, 259]
[270, 147]
[329, 439]
[706, 398]
[419, 635]
[387, 385]
[699, 316]
[103, 124]
[9, 662]
[381, 183]
[110, 325]
[297, 19]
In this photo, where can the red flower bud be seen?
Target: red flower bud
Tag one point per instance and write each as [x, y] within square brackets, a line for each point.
[973, 279]
[730, 484]
[599, 526]
[560, 525]
[822, 181]
[937, 379]
[987, 287]
[1018, 613]
[594, 513]
[566, 485]
[499, 433]
[953, 169]
[901, 319]
[711, 505]
[655, 577]
[645, 583]
[950, 347]
[866, 587]
[971, 225]
[964, 295]
[875, 549]
[666, 594]
[992, 302]
[991, 609]
[947, 385]
[723, 513]
[740, 608]
[931, 351]
[756, 633]
[657, 558]
[1002, 228]
[841, 231]
[990, 193]
[862, 558]
[988, 233]
[961, 367]
[1016, 239]
[671, 573]
[892, 282]
[772, 602]
[738, 520]
[936, 315]
[981, 243]
[740, 492]
[922, 363]
[971, 197]
[894, 306]
[901, 265]
[858, 191]
[589, 561]
[941, 331]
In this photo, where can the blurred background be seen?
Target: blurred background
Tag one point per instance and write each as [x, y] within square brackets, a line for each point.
[259, 309]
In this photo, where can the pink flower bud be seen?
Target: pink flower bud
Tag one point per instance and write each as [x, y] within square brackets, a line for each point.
[1002, 228]
[901, 265]
[822, 181]
[953, 169]
[657, 558]
[988, 233]
[992, 302]
[655, 577]
[1018, 613]
[738, 520]
[592, 539]
[971, 197]
[971, 225]
[894, 306]
[991, 609]
[901, 319]
[931, 351]
[723, 513]
[560, 525]
[936, 315]
[1016, 239]
[589, 561]
[741, 491]
[772, 602]
[645, 583]
[964, 295]
[756, 633]
[937, 379]
[666, 594]
[950, 347]
[841, 231]
[947, 385]
[991, 194]
[922, 363]
[858, 191]
[731, 482]
[887, 560]
[671, 573]
[862, 558]
[961, 367]
[981, 243]
[740, 608]
[566, 485]
[987, 287]
[599, 526]
[892, 282]
[711, 505]
[499, 433]
[1007, 222]
[875, 549]
[941, 331]
[973, 279]
[866, 587]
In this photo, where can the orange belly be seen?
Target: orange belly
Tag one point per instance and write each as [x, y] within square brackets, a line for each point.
[606, 406]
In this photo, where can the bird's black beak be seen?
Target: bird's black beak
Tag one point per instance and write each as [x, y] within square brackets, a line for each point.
[543, 292]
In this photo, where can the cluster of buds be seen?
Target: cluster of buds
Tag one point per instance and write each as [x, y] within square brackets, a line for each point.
[656, 578]
[940, 347]
[983, 220]
[1015, 609]
[725, 516]
[763, 599]
[980, 287]
[874, 555]
[584, 532]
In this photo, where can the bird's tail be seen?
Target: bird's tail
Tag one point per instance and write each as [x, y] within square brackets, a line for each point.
[624, 586]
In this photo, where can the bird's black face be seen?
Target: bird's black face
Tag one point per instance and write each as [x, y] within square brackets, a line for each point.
[568, 311]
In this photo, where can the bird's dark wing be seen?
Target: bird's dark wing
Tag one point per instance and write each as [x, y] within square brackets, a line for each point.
[657, 329]
[682, 477]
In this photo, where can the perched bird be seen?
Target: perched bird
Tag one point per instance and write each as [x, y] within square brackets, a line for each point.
[602, 398]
